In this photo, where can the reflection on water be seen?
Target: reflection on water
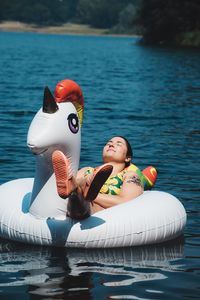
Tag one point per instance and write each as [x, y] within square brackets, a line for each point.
[56, 271]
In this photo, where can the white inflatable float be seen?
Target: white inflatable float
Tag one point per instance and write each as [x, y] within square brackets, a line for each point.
[32, 212]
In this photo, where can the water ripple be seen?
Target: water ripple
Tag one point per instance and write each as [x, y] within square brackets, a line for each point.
[127, 92]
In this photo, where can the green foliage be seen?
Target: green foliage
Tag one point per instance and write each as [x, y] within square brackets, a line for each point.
[43, 12]
[159, 21]
[129, 21]
[188, 39]
[99, 13]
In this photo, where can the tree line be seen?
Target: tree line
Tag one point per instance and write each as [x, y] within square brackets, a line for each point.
[97, 13]
[168, 21]
[157, 21]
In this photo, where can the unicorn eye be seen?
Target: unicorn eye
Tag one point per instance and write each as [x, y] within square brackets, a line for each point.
[73, 123]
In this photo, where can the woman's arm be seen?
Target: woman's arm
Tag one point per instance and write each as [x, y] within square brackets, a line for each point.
[81, 175]
[131, 188]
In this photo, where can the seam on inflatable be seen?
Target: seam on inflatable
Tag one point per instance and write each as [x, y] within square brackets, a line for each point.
[128, 234]
[21, 233]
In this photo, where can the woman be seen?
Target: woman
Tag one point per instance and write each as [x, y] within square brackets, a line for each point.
[115, 182]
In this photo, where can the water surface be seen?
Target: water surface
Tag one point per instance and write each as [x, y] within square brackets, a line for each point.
[148, 94]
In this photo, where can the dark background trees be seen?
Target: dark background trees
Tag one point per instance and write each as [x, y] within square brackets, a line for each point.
[164, 21]
[158, 21]
[97, 13]
[100, 13]
[43, 12]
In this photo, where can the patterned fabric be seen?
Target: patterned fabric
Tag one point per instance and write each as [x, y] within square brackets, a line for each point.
[114, 183]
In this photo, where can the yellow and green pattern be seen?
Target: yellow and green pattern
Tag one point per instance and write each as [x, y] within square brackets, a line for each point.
[113, 184]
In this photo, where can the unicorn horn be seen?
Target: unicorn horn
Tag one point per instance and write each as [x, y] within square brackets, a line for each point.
[49, 104]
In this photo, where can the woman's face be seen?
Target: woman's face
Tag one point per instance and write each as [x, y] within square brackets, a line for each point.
[115, 151]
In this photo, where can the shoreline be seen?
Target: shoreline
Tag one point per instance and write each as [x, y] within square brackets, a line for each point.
[66, 29]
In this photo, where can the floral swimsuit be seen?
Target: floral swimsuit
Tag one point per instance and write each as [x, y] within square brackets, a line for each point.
[113, 184]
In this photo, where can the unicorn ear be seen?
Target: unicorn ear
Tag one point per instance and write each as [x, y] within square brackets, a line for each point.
[49, 104]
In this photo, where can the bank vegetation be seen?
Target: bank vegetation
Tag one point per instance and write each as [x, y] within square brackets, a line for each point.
[156, 21]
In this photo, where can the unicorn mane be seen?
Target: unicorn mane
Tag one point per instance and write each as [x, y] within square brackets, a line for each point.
[69, 91]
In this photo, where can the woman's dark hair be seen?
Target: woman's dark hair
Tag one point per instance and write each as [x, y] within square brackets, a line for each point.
[129, 150]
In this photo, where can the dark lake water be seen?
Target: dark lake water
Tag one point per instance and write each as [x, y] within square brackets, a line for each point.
[151, 96]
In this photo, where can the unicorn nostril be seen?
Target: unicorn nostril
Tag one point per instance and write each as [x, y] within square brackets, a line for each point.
[30, 145]
[36, 150]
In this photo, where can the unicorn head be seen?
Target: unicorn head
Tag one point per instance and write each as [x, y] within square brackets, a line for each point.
[56, 126]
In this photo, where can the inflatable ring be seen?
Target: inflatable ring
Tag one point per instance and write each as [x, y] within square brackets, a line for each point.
[32, 212]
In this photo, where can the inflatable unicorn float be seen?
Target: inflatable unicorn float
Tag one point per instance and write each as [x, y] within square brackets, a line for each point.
[31, 210]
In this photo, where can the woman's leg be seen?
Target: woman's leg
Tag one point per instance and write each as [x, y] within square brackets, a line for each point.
[80, 194]
[80, 204]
